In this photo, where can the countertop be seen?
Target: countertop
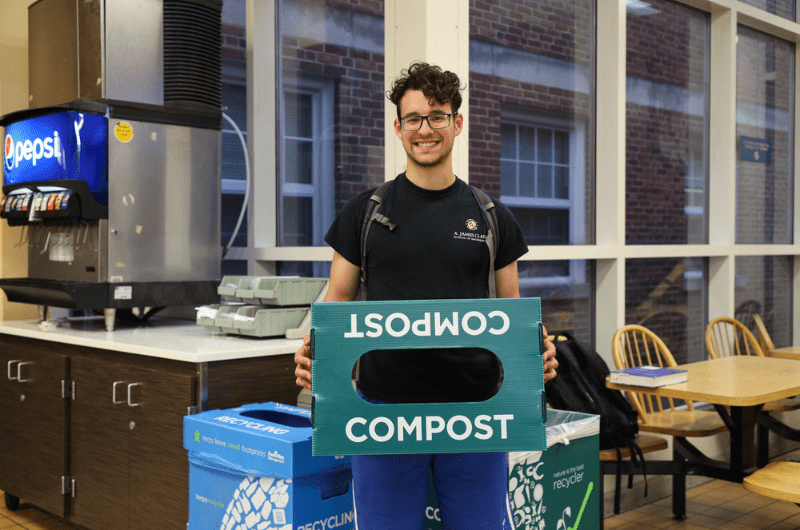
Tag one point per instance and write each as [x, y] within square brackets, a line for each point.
[178, 340]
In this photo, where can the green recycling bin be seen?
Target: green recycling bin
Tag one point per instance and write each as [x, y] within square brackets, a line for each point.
[555, 489]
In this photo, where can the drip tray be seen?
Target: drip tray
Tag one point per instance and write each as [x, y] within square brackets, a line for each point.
[94, 295]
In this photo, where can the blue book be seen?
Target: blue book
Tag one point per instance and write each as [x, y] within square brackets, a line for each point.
[649, 376]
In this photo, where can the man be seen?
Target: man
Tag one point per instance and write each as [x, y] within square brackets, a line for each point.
[421, 259]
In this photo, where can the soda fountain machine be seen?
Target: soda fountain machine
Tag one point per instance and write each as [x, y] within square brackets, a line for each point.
[114, 172]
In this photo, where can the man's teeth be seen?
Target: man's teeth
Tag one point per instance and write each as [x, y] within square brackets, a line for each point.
[427, 144]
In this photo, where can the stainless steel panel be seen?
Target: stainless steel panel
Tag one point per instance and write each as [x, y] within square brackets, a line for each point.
[134, 51]
[164, 204]
[68, 252]
[91, 53]
[95, 49]
[52, 52]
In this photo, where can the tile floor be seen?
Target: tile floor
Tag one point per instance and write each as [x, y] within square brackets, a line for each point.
[716, 504]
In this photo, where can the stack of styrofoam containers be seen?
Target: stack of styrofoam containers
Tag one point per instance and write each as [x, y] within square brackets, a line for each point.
[261, 306]
[251, 468]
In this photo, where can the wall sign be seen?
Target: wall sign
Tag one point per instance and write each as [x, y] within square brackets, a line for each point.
[755, 149]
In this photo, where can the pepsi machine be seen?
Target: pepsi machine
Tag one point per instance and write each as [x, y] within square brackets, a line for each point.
[118, 199]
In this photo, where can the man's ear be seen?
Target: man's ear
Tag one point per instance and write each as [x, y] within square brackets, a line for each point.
[459, 123]
[398, 130]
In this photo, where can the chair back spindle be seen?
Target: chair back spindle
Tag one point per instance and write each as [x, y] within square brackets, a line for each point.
[726, 337]
[636, 345]
[764, 340]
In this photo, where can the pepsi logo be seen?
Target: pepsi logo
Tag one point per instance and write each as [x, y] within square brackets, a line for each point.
[9, 152]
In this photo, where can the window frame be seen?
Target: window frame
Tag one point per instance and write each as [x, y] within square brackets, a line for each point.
[575, 203]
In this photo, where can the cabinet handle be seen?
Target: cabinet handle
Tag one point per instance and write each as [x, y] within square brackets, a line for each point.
[15, 377]
[130, 386]
[19, 373]
[114, 393]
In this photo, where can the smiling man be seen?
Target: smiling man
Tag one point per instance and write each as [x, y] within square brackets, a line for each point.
[437, 250]
[429, 149]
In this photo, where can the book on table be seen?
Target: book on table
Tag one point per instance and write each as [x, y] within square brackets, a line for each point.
[649, 376]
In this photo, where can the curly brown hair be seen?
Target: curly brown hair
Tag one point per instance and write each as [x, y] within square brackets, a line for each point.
[440, 85]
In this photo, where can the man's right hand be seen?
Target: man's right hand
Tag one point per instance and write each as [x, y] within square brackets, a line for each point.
[302, 359]
[342, 287]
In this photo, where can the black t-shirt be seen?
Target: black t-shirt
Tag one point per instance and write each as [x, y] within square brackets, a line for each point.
[437, 251]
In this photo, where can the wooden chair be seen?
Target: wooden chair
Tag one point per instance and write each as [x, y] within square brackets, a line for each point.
[727, 336]
[764, 340]
[635, 345]
[609, 460]
[745, 312]
[671, 327]
[779, 480]
[610, 465]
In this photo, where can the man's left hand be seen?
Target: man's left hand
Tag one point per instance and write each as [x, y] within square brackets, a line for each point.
[549, 357]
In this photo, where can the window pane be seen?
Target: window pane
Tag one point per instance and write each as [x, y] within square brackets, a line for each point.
[764, 118]
[508, 182]
[299, 161]
[543, 226]
[298, 109]
[234, 97]
[527, 179]
[544, 181]
[331, 60]
[527, 143]
[782, 8]
[297, 221]
[545, 145]
[566, 304]
[561, 183]
[233, 166]
[764, 287]
[668, 297]
[531, 65]
[234, 101]
[666, 116]
[508, 141]
[304, 269]
[231, 209]
[561, 146]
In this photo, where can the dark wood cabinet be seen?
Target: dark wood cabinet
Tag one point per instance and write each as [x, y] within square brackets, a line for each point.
[99, 446]
[157, 455]
[127, 458]
[33, 437]
[96, 435]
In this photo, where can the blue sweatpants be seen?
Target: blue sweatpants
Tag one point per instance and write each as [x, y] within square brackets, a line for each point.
[390, 492]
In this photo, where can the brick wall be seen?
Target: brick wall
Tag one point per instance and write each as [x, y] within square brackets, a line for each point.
[560, 31]
[666, 51]
[357, 78]
[358, 112]
[765, 66]
[234, 44]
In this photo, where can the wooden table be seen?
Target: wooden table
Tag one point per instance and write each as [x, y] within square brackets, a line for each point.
[792, 352]
[738, 387]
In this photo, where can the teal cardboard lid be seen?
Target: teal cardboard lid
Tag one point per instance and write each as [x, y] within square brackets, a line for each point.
[345, 424]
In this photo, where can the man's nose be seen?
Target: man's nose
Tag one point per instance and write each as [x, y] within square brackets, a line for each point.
[426, 123]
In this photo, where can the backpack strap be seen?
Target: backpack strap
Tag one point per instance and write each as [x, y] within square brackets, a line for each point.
[492, 238]
[373, 215]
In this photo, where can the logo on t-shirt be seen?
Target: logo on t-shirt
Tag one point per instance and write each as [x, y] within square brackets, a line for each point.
[472, 226]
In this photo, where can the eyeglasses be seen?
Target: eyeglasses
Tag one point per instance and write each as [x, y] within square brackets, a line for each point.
[435, 121]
